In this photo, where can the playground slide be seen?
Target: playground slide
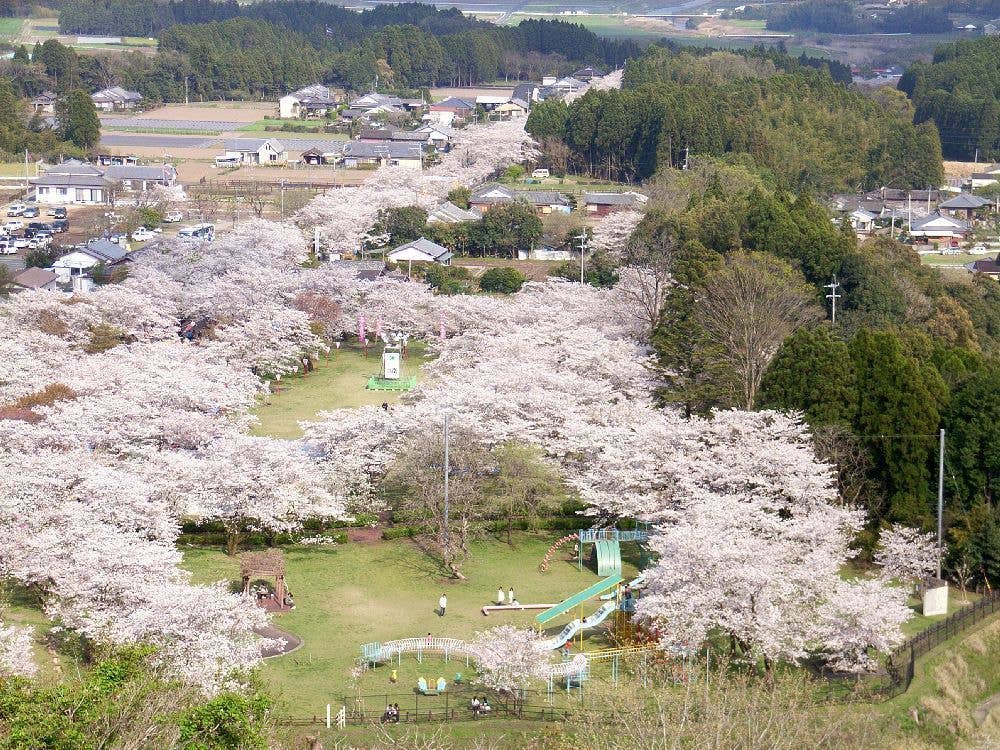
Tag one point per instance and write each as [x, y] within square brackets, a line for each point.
[635, 583]
[576, 626]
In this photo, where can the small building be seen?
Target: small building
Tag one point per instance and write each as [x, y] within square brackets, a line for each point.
[449, 213]
[386, 153]
[986, 267]
[311, 101]
[138, 179]
[938, 226]
[862, 222]
[421, 251]
[491, 195]
[374, 99]
[602, 204]
[525, 93]
[109, 160]
[44, 103]
[74, 267]
[317, 156]
[489, 102]
[982, 179]
[512, 109]
[71, 182]
[115, 99]
[448, 110]
[588, 73]
[36, 279]
[254, 151]
[964, 204]
[435, 136]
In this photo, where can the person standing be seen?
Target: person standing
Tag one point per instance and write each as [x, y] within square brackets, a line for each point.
[443, 604]
[510, 595]
[500, 596]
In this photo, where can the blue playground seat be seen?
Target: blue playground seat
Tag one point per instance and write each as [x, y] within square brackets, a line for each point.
[441, 685]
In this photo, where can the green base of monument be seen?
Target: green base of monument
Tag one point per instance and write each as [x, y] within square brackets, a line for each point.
[375, 383]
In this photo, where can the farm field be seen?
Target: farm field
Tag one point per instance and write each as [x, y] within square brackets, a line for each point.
[10, 27]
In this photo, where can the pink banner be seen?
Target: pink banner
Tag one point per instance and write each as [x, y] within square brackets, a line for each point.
[361, 328]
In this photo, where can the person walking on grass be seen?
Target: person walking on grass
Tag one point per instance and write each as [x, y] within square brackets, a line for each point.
[500, 596]
[443, 604]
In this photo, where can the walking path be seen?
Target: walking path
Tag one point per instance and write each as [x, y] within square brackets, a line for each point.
[290, 642]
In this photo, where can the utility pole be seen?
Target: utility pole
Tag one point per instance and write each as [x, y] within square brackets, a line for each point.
[186, 100]
[583, 250]
[447, 473]
[687, 150]
[282, 199]
[26, 169]
[940, 508]
[833, 297]
[316, 241]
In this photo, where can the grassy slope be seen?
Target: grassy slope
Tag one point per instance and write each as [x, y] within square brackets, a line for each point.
[336, 383]
[10, 27]
[358, 593]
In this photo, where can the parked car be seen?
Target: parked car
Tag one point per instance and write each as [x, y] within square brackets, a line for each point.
[979, 249]
[16, 209]
[172, 217]
[118, 239]
[950, 251]
[7, 248]
[58, 212]
[30, 212]
[142, 234]
[60, 225]
[13, 226]
[540, 173]
[21, 243]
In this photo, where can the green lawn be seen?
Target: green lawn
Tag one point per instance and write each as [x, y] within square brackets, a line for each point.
[358, 593]
[180, 130]
[335, 384]
[936, 259]
[918, 622]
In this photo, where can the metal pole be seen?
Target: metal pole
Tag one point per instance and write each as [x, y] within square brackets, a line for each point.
[447, 472]
[940, 508]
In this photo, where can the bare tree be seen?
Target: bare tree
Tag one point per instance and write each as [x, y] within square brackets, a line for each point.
[838, 445]
[256, 196]
[417, 480]
[524, 483]
[748, 309]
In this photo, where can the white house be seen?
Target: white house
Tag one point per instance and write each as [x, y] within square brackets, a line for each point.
[115, 98]
[862, 221]
[311, 101]
[437, 137]
[421, 251]
[254, 151]
[74, 267]
[71, 182]
[939, 226]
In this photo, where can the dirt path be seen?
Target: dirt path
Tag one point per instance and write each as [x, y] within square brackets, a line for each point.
[291, 641]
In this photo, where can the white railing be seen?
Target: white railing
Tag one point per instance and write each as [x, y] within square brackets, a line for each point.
[455, 647]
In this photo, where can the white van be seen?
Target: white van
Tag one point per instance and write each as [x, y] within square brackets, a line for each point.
[540, 173]
[198, 232]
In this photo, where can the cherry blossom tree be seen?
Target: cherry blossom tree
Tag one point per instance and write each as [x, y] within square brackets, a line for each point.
[612, 232]
[509, 658]
[905, 554]
[250, 483]
[861, 618]
[16, 651]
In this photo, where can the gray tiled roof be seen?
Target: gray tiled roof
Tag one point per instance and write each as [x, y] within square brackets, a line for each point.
[534, 197]
[613, 199]
[385, 149]
[104, 250]
[252, 144]
[424, 245]
[34, 278]
[965, 200]
[135, 172]
[449, 213]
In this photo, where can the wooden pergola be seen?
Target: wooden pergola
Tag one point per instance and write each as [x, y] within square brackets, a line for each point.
[267, 564]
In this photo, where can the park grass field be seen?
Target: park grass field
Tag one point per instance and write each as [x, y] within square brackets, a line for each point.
[362, 592]
[336, 383]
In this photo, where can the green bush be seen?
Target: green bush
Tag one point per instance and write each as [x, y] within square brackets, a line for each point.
[398, 532]
[504, 280]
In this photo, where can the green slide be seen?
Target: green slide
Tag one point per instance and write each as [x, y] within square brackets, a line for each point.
[609, 557]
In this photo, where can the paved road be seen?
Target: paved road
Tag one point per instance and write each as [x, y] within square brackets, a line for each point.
[218, 126]
[157, 141]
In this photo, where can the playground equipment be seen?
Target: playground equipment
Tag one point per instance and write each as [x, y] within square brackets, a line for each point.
[608, 547]
[544, 565]
[513, 607]
[578, 625]
[636, 583]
